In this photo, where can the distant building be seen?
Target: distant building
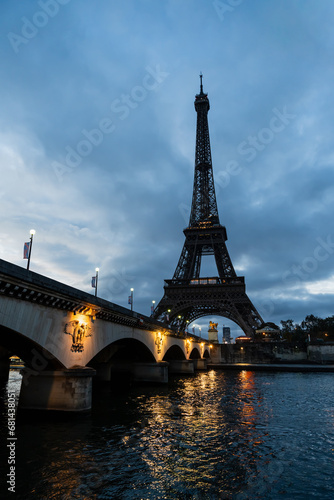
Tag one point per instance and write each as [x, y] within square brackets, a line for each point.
[243, 339]
[268, 333]
[226, 335]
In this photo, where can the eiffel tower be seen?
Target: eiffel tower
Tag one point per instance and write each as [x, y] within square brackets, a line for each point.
[187, 296]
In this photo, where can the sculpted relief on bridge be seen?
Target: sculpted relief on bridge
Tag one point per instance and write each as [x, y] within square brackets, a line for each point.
[78, 331]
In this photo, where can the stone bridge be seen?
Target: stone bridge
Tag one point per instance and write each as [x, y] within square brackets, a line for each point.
[66, 336]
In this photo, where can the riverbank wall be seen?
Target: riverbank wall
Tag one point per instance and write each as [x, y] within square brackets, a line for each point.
[277, 352]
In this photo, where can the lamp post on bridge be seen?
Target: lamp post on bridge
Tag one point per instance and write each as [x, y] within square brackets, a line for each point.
[131, 298]
[29, 247]
[96, 279]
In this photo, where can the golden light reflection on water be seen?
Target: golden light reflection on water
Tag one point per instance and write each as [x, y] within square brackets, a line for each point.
[247, 383]
[214, 435]
[201, 433]
[182, 437]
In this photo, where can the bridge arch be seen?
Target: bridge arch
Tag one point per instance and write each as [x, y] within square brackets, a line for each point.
[124, 361]
[123, 350]
[206, 353]
[34, 355]
[195, 354]
[174, 353]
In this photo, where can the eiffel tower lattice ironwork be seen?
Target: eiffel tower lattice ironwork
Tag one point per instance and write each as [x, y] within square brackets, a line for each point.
[187, 296]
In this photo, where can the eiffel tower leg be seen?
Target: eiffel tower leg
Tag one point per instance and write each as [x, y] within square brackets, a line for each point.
[223, 261]
[189, 263]
[245, 315]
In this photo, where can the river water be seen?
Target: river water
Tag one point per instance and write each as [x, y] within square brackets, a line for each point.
[216, 435]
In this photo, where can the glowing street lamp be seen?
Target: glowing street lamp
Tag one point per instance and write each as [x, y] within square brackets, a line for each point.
[152, 307]
[131, 298]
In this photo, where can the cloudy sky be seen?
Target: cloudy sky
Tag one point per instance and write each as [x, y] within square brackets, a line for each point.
[97, 142]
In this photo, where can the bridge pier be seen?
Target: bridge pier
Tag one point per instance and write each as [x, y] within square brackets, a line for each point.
[215, 354]
[181, 366]
[151, 372]
[200, 364]
[139, 372]
[4, 363]
[61, 390]
[103, 372]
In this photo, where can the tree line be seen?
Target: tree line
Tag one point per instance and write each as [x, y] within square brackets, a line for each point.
[311, 327]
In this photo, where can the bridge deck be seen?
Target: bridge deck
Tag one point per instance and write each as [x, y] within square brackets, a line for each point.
[20, 283]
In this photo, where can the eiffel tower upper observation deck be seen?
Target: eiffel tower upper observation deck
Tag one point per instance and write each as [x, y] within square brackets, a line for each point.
[187, 295]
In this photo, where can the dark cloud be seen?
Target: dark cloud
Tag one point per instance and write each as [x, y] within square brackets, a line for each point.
[123, 76]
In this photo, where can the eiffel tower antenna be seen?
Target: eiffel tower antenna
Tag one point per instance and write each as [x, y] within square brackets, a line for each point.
[187, 295]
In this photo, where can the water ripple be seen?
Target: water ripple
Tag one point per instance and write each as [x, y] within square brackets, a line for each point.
[213, 436]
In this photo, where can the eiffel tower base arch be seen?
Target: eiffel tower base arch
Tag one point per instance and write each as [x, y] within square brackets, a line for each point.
[183, 303]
